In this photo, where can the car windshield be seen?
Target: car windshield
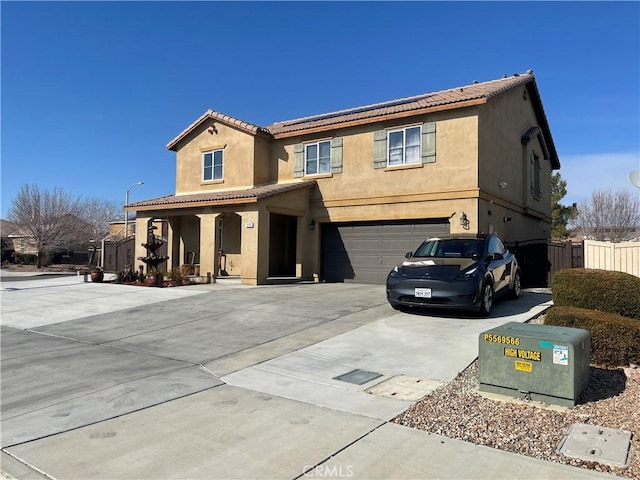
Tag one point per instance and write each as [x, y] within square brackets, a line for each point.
[449, 248]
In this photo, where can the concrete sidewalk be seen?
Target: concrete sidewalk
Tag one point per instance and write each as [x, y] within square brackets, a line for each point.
[226, 381]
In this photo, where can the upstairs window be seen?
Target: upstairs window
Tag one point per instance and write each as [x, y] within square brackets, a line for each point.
[212, 165]
[413, 145]
[404, 146]
[317, 158]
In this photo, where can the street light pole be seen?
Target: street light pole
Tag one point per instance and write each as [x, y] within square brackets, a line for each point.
[126, 212]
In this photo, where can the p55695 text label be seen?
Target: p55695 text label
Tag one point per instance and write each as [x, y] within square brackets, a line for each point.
[505, 339]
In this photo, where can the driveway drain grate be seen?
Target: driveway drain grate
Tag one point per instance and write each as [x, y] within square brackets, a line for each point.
[357, 376]
[610, 446]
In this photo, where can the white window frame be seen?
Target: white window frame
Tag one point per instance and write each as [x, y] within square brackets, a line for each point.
[317, 160]
[418, 158]
[213, 165]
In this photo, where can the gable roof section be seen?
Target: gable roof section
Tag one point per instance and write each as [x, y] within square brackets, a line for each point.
[247, 127]
[230, 197]
[458, 97]
[546, 137]
[468, 95]
[7, 228]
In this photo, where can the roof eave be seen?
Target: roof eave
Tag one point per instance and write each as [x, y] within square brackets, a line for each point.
[536, 101]
[220, 118]
[192, 204]
[382, 118]
[178, 202]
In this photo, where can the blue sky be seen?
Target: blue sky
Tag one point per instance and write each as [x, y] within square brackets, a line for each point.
[93, 91]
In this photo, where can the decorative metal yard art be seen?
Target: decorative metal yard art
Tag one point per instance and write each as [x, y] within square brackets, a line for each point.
[152, 260]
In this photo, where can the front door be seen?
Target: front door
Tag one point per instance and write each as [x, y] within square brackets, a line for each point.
[282, 245]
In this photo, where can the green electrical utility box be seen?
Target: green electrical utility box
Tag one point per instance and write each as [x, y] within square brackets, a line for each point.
[535, 362]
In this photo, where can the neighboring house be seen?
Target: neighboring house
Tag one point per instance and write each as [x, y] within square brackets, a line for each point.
[74, 245]
[116, 229]
[6, 229]
[633, 235]
[344, 195]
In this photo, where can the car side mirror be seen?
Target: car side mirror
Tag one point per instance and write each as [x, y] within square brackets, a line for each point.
[494, 256]
[408, 255]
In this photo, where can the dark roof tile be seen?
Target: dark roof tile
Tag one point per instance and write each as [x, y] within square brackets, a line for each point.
[212, 198]
[466, 93]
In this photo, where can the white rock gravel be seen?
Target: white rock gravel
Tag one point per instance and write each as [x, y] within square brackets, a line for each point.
[457, 410]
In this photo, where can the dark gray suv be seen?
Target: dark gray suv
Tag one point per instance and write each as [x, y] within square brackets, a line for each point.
[455, 271]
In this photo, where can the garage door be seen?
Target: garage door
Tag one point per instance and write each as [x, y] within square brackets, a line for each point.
[365, 252]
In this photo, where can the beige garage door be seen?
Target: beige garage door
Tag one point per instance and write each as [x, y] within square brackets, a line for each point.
[365, 252]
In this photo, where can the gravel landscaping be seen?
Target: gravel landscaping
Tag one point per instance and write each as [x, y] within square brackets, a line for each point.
[457, 410]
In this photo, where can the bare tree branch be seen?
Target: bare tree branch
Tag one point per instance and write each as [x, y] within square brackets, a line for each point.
[98, 214]
[49, 218]
[609, 216]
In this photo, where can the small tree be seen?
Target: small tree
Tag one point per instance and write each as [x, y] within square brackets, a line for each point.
[49, 218]
[561, 215]
[608, 215]
[98, 214]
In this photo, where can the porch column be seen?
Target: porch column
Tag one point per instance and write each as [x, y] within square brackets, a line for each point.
[208, 243]
[173, 244]
[142, 231]
[255, 247]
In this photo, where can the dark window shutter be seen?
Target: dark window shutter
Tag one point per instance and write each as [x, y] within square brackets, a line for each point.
[539, 177]
[429, 142]
[298, 160]
[336, 155]
[380, 149]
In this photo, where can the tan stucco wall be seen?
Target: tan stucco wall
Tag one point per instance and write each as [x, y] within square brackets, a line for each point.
[454, 169]
[361, 192]
[238, 162]
[207, 231]
[502, 122]
[262, 169]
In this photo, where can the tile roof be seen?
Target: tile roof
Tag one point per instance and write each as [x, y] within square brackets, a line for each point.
[221, 117]
[6, 227]
[249, 195]
[475, 91]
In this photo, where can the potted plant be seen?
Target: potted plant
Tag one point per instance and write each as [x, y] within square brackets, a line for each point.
[154, 277]
[97, 274]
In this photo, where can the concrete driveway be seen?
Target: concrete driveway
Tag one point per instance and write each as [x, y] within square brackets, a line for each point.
[226, 381]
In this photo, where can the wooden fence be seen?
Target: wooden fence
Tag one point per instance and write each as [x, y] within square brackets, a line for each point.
[563, 255]
[118, 254]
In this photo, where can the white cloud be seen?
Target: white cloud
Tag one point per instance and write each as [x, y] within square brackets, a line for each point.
[586, 173]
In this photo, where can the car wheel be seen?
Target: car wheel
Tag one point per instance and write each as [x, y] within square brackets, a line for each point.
[486, 302]
[516, 291]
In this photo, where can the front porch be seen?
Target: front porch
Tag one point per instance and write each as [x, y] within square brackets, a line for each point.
[261, 241]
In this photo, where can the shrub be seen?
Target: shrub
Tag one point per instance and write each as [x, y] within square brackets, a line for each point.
[604, 290]
[615, 340]
[29, 259]
[176, 275]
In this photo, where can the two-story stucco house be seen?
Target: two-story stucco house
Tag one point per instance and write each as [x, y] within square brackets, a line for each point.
[342, 196]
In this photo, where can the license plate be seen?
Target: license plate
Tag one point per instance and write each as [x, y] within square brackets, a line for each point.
[423, 293]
